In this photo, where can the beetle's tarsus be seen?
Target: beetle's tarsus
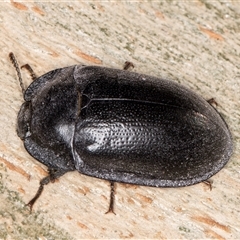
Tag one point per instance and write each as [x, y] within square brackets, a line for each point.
[112, 199]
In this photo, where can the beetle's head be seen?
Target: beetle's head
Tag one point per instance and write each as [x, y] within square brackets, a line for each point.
[23, 120]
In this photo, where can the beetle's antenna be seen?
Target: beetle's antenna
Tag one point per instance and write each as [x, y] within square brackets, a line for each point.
[15, 64]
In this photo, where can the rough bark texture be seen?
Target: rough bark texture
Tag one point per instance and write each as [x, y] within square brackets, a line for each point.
[196, 43]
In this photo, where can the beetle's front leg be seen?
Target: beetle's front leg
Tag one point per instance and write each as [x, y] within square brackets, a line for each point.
[30, 70]
[53, 175]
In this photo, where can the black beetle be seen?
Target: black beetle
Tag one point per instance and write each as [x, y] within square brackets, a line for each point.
[121, 126]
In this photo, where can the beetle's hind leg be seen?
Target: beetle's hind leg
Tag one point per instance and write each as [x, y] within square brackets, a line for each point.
[128, 65]
[208, 183]
[53, 175]
[212, 101]
[30, 70]
[112, 198]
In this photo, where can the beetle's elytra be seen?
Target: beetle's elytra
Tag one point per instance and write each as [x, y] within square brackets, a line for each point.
[121, 126]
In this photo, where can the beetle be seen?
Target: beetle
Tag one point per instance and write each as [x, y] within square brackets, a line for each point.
[120, 126]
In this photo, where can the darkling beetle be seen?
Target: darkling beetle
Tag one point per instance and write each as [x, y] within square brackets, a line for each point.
[120, 126]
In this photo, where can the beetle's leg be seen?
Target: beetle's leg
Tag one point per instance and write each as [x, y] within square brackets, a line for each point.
[212, 101]
[127, 65]
[30, 70]
[53, 174]
[43, 182]
[112, 198]
[208, 183]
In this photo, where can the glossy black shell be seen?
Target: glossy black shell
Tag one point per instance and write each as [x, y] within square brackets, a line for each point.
[123, 126]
